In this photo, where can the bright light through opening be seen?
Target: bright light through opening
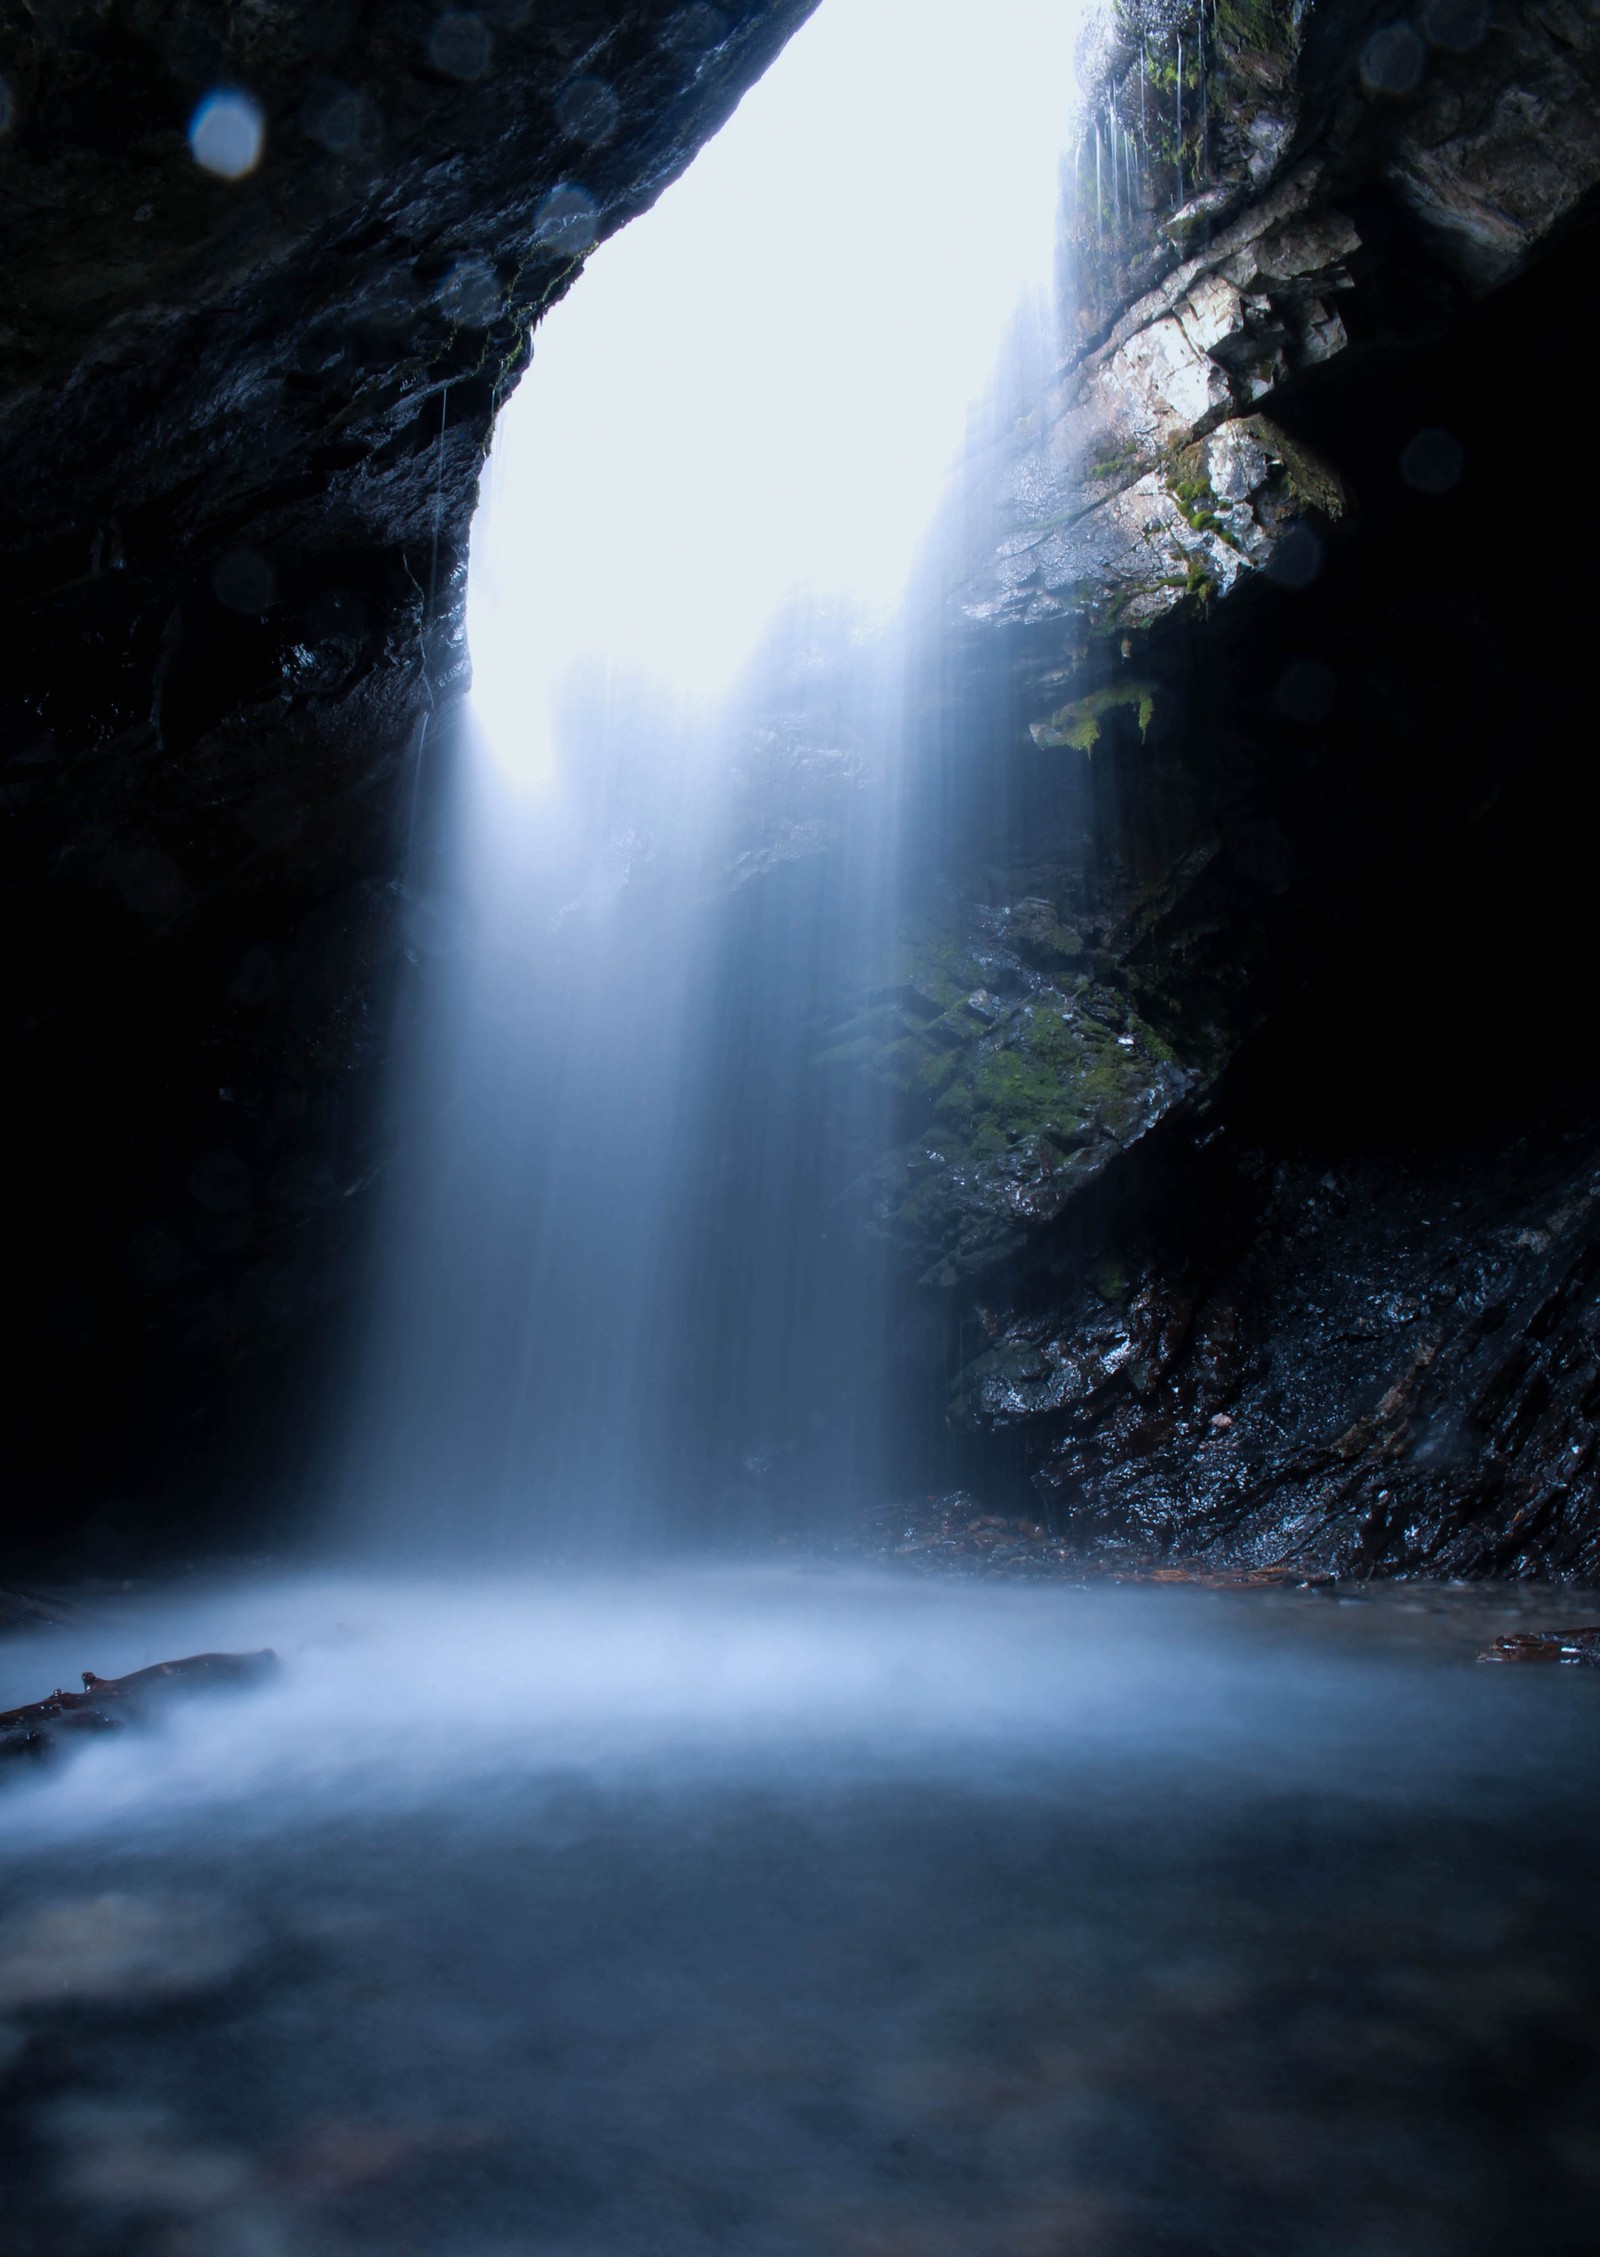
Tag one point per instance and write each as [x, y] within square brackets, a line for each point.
[761, 384]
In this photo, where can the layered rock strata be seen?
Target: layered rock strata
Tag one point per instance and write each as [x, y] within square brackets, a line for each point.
[1226, 559]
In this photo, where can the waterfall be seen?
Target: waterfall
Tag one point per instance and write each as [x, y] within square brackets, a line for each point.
[1178, 149]
[629, 1290]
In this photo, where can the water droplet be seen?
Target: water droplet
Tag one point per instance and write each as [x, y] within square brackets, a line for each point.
[245, 582]
[1307, 691]
[1297, 559]
[226, 134]
[461, 45]
[694, 29]
[1456, 25]
[589, 111]
[340, 117]
[1432, 463]
[1392, 60]
[470, 294]
[567, 221]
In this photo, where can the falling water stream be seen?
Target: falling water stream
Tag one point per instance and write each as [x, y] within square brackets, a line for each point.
[628, 1293]
[568, 1896]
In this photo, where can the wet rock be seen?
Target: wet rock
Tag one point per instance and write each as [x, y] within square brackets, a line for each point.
[1194, 321]
[107, 1704]
[1325, 1385]
[1020, 1078]
[1574, 1648]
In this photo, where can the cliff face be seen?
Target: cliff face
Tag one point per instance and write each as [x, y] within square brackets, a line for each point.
[240, 432]
[1251, 1141]
[1246, 1116]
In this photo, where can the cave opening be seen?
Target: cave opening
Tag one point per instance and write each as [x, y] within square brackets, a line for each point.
[789, 1375]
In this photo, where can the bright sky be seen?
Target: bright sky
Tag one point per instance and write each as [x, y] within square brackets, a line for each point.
[761, 383]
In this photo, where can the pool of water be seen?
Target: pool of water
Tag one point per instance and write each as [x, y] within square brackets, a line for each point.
[819, 1913]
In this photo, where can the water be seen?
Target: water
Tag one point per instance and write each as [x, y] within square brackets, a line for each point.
[800, 1913]
[626, 1292]
[681, 1911]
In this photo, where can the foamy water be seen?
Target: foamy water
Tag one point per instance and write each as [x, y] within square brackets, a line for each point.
[399, 1693]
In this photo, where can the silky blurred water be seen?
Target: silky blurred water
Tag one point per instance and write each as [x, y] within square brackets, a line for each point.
[625, 1283]
[807, 1913]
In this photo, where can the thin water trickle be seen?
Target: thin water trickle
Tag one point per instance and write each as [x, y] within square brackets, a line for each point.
[1177, 157]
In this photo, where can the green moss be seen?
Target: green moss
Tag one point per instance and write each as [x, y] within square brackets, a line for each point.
[1114, 465]
[1077, 726]
[1260, 27]
[1110, 1279]
[1191, 489]
[1201, 583]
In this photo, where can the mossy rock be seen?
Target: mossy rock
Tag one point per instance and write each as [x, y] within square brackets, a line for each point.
[1041, 939]
[1077, 726]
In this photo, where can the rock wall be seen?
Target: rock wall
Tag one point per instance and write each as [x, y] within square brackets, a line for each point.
[242, 416]
[1280, 760]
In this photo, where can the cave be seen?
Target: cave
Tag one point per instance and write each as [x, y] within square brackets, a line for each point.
[787, 1411]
